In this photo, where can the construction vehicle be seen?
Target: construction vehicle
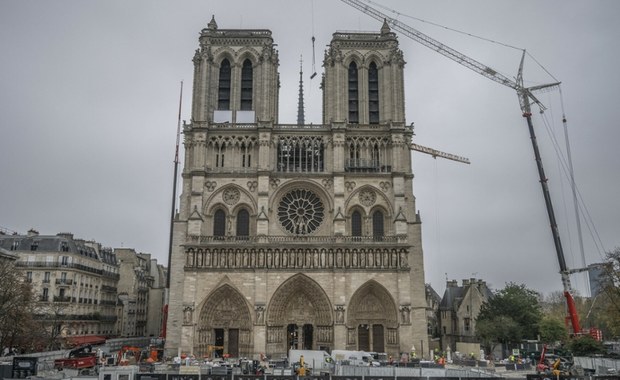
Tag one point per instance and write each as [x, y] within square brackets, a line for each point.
[78, 358]
[154, 354]
[526, 100]
[129, 355]
[316, 361]
[556, 365]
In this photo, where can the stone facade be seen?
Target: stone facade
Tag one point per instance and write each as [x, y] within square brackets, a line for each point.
[296, 236]
[156, 299]
[133, 289]
[459, 308]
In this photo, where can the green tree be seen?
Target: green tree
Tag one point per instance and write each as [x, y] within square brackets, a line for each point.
[585, 345]
[552, 330]
[512, 314]
[497, 330]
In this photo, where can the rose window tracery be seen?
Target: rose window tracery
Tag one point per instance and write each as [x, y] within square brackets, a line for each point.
[301, 211]
[367, 197]
[231, 195]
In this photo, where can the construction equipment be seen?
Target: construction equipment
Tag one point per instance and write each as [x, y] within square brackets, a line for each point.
[79, 358]
[129, 355]
[213, 350]
[437, 153]
[556, 365]
[526, 99]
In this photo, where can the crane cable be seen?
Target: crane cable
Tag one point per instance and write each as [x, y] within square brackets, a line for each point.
[584, 210]
[313, 39]
[573, 189]
[442, 26]
[463, 33]
[567, 166]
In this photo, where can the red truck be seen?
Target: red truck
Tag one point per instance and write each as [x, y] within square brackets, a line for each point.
[81, 357]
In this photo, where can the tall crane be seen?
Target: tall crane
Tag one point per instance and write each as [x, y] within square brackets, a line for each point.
[526, 99]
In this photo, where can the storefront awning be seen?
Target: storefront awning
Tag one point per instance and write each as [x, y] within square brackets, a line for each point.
[80, 340]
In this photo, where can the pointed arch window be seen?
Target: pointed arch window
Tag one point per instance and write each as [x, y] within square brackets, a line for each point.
[353, 94]
[356, 223]
[377, 225]
[373, 94]
[246, 86]
[223, 94]
[219, 223]
[246, 156]
[243, 223]
[220, 150]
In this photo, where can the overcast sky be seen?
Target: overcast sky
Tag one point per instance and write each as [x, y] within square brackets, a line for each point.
[89, 101]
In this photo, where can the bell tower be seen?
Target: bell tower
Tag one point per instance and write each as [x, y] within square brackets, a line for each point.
[363, 81]
[235, 76]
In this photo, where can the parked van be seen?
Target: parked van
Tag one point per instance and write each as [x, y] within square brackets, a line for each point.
[358, 358]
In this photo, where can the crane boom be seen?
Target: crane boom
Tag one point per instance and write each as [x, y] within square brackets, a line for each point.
[437, 153]
[526, 98]
[458, 57]
[433, 44]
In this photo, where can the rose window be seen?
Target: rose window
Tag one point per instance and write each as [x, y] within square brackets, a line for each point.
[301, 211]
[367, 197]
[231, 195]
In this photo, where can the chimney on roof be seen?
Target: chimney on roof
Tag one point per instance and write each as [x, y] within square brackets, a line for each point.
[33, 232]
[67, 235]
[465, 282]
[452, 284]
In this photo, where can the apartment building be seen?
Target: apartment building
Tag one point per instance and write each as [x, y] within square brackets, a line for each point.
[75, 282]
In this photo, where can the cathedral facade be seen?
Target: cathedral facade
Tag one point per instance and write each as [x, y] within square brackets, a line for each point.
[296, 235]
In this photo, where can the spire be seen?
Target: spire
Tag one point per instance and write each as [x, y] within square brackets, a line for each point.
[212, 24]
[300, 105]
[385, 28]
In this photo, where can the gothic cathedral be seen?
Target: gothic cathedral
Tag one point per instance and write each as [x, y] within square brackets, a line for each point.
[296, 235]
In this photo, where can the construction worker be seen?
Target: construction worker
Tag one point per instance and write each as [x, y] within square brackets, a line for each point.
[302, 367]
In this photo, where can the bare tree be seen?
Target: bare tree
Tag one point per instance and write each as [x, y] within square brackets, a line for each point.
[610, 291]
[16, 308]
[52, 321]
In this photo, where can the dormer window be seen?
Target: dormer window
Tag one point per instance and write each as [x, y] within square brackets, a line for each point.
[34, 246]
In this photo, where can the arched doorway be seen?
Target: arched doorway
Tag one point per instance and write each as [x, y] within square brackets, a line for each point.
[299, 316]
[224, 325]
[372, 319]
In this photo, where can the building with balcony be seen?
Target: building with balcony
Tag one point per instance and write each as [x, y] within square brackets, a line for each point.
[133, 287]
[74, 281]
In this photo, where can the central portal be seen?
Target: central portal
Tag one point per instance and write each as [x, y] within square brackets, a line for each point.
[299, 317]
